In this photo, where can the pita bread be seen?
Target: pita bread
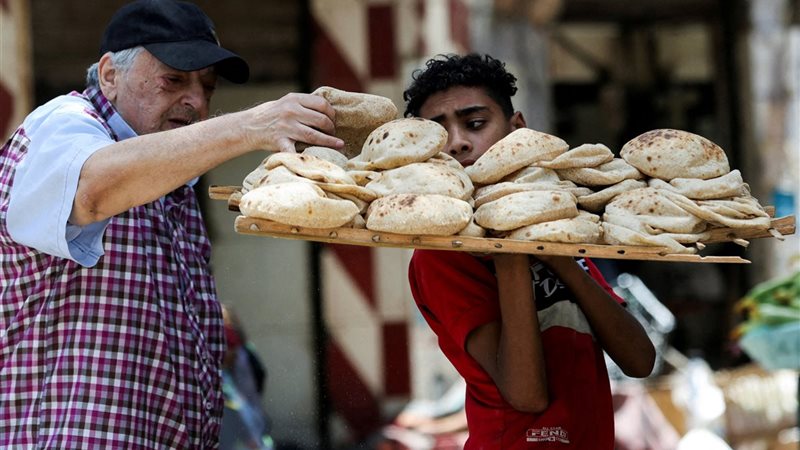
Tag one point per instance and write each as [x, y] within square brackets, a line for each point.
[361, 204]
[533, 174]
[348, 190]
[400, 142]
[618, 235]
[357, 115]
[525, 208]
[669, 154]
[358, 222]
[430, 214]
[522, 147]
[653, 209]
[280, 174]
[492, 192]
[473, 230]
[739, 212]
[362, 177]
[582, 229]
[444, 158]
[423, 178]
[255, 178]
[635, 223]
[311, 167]
[725, 186]
[586, 155]
[328, 154]
[606, 174]
[297, 203]
[596, 202]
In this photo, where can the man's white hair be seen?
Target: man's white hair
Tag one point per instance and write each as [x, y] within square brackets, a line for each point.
[122, 60]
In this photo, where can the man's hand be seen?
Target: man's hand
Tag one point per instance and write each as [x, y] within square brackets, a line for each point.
[279, 124]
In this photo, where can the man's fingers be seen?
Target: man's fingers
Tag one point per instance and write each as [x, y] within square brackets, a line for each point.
[319, 138]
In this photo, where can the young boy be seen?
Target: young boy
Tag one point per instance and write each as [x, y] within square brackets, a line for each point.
[526, 333]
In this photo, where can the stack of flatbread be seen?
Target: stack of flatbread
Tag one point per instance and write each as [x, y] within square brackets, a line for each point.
[305, 189]
[668, 188]
[691, 190]
[313, 188]
[420, 189]
[520, 195]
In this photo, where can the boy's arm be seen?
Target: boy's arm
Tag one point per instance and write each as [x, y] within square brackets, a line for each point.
[511, 350]
[619, 333]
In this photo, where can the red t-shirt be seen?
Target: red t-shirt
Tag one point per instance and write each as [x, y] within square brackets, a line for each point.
[457, 292]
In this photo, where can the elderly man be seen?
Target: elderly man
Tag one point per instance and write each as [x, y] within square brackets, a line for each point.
[111, 335]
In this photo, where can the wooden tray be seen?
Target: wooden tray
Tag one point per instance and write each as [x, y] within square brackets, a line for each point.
[353, 236]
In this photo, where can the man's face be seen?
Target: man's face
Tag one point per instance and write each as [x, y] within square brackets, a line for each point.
[472, 119]
[152, 96]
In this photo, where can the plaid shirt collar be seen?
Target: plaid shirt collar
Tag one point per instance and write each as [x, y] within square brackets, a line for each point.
[120, 129]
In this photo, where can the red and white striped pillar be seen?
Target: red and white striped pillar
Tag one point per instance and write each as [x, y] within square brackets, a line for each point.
[365, 46]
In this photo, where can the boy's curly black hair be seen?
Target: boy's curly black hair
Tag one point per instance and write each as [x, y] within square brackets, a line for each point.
[472, 70]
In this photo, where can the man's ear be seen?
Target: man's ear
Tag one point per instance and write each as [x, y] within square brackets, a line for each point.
[107, 76]
[517, 121]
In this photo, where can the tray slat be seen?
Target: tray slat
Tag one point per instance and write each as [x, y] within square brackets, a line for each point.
[353, 236]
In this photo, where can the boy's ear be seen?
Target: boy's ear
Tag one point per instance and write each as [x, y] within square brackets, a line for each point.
[517, 121]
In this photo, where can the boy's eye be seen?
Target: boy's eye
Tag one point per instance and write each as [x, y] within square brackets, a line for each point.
[475, 123]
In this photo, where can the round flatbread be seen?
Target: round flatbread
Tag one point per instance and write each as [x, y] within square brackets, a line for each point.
[586, 155]
[492, 192]
[255, 178]
[444, 158]
[533, 174]
[431, 214]
[725, 186]
[311, 167]
[473, 230]
[584, 228]
[423, 178]
[328, 154]
[619, 235]
[668, 154]
[297, 203]
[606, 174]
[522, 147]
[525, 208]
[280, 174]
[357, 115]
[739, 212]
[596, 201]
[362, 177]
[400, 142]
[656, 210]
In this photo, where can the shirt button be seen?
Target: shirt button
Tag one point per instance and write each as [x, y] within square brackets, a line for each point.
[209, 406]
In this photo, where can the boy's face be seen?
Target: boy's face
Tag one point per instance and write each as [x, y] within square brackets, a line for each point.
[472, 119]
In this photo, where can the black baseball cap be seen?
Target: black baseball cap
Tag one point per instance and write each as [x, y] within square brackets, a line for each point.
[178, 33]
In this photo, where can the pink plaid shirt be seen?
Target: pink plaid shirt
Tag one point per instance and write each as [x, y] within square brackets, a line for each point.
[125, 354]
